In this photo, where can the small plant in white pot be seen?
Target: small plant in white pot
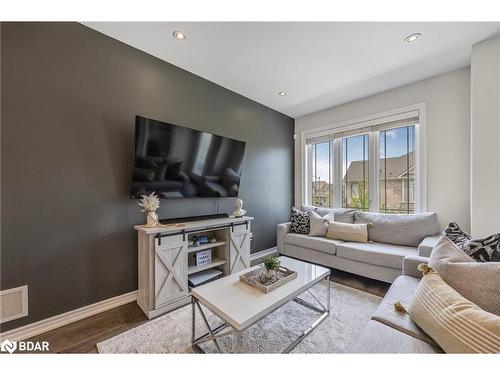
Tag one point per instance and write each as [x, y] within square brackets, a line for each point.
[272, 265]
[150, 203]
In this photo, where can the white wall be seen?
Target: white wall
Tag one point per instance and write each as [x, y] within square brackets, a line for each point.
[485, 130]
[447, 99]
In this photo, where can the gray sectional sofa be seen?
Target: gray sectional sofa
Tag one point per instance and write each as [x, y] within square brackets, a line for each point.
[391, 331]
[400, 244]
[393, 236]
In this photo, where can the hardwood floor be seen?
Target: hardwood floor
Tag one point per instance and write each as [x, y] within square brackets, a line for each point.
[365, 284]
[82, 336]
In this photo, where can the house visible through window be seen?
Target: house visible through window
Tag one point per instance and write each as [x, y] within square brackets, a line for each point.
[370, 168]
[355, 163]
[397, 170]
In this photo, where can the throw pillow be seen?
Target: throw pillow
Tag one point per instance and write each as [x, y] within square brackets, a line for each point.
[344, 215]
[480, 249]
[456, 324]
[478, 282]
[319, 225]
[347, 232]
[300, 222]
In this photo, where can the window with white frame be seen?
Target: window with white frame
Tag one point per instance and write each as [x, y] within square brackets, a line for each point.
[370, 166]
[321, 179]
[396, 170]
[355, 171]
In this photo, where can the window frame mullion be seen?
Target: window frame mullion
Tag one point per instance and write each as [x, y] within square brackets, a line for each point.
[337, 174]
[309, 176]
[373, 167]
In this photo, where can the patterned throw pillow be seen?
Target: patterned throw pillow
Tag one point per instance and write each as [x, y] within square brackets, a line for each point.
[480, 249]
[300, 221]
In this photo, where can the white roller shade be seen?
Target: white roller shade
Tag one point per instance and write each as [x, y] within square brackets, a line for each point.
[320, 139]
[397, 124]
[383, 123]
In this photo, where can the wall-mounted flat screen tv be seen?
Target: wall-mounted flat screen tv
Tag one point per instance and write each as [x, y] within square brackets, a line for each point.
[178, 162]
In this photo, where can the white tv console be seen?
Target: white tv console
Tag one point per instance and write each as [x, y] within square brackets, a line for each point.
[163, 253]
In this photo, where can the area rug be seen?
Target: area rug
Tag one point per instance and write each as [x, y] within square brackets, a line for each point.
[351, 310]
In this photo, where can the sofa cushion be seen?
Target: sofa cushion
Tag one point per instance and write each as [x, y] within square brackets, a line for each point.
[316, 243]
[401, 290]
[380, 254]
[398, 229]
[379, 338]
[478, 282]
[342, 215]
[456, 324]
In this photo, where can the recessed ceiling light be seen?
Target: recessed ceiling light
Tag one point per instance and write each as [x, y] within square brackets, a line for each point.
[412, 37]
[282, 93]
[179, 35]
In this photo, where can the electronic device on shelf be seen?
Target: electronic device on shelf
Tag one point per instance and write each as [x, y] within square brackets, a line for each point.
[203, 277]
[193, 218]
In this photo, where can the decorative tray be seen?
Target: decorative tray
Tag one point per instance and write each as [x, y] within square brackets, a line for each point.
[259, 280]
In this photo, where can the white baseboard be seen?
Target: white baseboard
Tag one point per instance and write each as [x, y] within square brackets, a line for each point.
[42, 326]
[263, 253]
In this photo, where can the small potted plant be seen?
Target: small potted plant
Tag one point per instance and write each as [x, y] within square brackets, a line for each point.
[272, 265]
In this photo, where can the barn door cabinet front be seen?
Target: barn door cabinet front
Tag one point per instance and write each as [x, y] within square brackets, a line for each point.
[171, 282]
[239, 248]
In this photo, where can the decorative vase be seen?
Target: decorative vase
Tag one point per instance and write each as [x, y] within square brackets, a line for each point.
[152, 219]
[150, 203]
[269, 273]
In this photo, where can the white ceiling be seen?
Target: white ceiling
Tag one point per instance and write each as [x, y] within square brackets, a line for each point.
[319, 65]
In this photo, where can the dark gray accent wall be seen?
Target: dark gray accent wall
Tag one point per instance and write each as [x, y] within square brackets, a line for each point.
[69, 96]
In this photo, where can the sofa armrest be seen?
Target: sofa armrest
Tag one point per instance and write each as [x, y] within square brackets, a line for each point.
[425, 247]
[281, 230]
[410, 264]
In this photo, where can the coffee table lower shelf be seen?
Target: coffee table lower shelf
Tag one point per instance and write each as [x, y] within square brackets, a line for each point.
[218, 332]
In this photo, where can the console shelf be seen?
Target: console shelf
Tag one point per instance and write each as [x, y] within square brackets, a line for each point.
[166, 260]
[215, 263]
[205, 246]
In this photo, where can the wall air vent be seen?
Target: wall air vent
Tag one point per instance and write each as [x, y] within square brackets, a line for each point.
[13, 303]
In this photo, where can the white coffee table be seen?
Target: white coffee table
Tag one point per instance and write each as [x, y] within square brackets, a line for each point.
[240, 305]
